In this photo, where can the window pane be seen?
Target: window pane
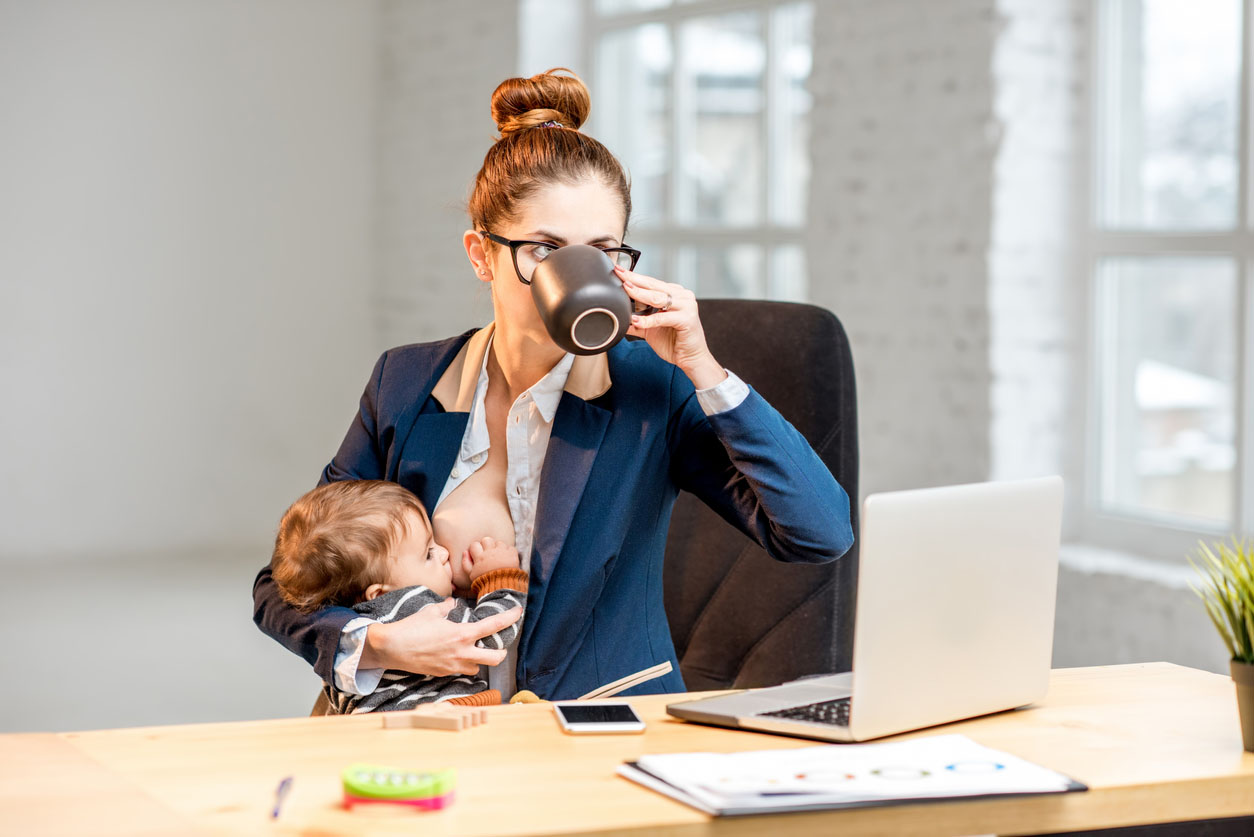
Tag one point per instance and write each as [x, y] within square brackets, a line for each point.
[789, 281]
[653, 259]
[1168, 111]
[734, 271]
[632, 113]
[790, 129]
[610, 7]
[721, 66]
[1167, 369]
[550, 34]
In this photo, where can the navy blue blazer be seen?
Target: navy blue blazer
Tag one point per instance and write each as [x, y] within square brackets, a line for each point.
[614, 466]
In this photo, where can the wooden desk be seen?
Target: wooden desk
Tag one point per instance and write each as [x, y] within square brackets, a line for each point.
[1155, 743]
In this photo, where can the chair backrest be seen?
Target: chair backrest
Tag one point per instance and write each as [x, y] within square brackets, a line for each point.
[739, 618]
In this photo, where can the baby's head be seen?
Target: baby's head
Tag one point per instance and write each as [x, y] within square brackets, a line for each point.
[349, 541]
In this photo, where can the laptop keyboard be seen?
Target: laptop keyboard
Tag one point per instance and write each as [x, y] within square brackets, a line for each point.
[832, 712]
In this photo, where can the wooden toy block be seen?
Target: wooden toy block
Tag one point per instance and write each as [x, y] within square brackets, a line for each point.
[438, 716]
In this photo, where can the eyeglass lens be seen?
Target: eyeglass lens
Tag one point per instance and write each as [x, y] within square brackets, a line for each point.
[527, 256]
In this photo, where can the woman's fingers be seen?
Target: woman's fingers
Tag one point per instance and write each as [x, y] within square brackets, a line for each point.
[663, 296]
[653, 298]
[477, 656]
[640, 279]
[427, 643]
[660, 319]
[493, 624]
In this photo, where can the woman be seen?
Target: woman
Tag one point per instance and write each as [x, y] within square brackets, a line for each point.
[575, 460]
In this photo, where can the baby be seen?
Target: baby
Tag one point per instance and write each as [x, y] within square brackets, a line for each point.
[367, 544]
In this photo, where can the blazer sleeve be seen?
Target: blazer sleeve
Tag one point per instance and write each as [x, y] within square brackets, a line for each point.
[316, 636]
[752, 467]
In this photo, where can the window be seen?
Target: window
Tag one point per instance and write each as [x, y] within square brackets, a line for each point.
[1170, 255]
[708, 109]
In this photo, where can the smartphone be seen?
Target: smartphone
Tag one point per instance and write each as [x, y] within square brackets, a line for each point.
[578, 717]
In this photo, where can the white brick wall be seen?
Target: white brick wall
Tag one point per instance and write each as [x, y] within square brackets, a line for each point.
[904, 147]
[441, 60]
[942, 229]
[1040, 66]
[947, 200]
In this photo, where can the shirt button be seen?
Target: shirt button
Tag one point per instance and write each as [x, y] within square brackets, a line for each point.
[455, 474]
[477, 458]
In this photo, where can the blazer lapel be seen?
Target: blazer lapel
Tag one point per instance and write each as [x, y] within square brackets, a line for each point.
[428, 449]
[416, 389]
[429, 454]
[578, 428]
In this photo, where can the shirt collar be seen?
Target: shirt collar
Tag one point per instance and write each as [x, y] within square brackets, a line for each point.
[587, 377]
[546, 393]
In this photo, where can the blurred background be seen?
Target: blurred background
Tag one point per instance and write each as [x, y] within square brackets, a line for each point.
[1032, 218]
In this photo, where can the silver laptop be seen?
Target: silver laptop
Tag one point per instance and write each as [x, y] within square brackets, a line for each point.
[955, 618]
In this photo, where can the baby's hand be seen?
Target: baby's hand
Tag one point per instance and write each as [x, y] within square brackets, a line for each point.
[487, 554]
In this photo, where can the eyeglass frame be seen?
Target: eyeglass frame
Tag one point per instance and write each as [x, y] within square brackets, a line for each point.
[513, 246]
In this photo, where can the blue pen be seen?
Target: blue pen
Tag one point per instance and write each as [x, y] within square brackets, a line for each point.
[280, 793]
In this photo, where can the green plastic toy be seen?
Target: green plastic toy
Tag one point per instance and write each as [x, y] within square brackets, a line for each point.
[369, 784]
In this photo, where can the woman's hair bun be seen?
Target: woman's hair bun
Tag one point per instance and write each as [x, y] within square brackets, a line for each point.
[521, 103]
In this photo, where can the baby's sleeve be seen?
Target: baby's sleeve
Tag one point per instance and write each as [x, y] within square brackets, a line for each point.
[495, 592]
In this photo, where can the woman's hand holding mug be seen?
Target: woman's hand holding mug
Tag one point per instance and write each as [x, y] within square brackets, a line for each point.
[673, 329]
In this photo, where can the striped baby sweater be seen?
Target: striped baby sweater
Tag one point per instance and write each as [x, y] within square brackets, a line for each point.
[495, 592]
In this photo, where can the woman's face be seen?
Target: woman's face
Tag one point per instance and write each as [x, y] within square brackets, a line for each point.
[587, 212]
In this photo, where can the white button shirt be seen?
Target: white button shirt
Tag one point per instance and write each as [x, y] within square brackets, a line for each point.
[528, 426]
[527, 429]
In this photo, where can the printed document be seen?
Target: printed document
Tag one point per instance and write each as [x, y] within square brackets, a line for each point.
[843, 775]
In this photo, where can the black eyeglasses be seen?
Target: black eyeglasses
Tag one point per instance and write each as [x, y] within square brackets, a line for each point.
[527, 254]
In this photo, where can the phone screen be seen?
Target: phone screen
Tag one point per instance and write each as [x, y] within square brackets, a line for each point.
[604, 713]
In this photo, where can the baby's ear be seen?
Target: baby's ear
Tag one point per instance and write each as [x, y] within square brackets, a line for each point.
[376, 590]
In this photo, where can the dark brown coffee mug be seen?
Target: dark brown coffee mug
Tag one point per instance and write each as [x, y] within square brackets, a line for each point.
[581, 300]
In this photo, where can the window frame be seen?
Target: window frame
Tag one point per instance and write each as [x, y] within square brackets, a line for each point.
[1157, 535]
[670, 236]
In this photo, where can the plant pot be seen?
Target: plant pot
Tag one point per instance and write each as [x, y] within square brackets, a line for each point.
[1243, 676]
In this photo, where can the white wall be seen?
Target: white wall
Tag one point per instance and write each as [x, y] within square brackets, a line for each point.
[187, 266]
[1035, 297]
[442, 59]
[213, 215]
[950, 161]
[903, 148]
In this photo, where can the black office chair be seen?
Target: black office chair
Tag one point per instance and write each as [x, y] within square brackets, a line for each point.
[739, 618]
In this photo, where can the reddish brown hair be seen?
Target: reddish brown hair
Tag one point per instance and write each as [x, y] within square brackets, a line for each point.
[335, 541]
[528, 155]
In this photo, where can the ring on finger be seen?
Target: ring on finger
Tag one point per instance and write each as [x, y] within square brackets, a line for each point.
[667, 305]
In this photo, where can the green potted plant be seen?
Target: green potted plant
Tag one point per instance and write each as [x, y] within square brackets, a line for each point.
[1227, 591]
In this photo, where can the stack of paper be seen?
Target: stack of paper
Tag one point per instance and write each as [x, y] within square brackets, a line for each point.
[842, 775]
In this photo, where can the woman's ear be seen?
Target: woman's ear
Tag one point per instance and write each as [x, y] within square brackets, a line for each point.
[473, 242]
[375, 590]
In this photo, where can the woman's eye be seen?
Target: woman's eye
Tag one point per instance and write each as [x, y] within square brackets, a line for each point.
[540, 252]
